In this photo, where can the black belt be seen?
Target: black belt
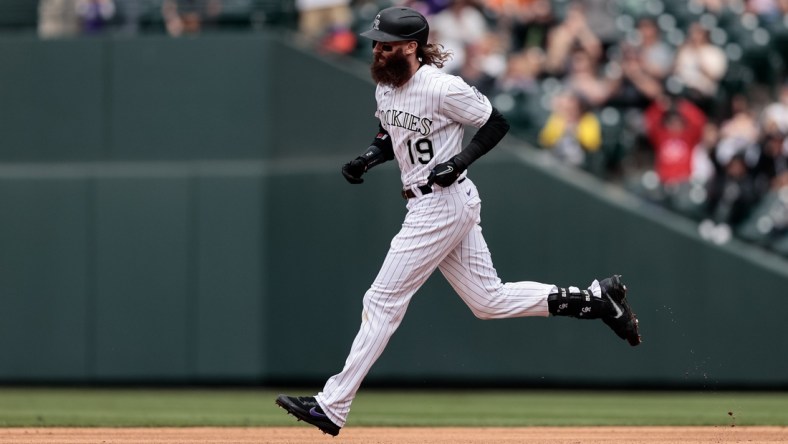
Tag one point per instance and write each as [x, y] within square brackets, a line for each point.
[425, 189]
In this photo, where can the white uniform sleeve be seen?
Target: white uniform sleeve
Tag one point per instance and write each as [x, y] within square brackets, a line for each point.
[465, 104]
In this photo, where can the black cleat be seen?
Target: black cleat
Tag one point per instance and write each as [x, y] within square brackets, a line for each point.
[623, 321]
[306, 408]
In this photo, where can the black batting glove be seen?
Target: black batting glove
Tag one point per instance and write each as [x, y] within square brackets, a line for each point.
[444, 174]
[354, 169]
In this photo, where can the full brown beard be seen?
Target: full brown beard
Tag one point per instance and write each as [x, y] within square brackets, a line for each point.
[393, 70]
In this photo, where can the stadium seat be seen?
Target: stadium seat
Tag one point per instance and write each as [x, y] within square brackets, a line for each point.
[761, 225]
[688, 199]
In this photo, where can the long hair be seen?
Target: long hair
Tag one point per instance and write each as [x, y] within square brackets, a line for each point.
[433, 54]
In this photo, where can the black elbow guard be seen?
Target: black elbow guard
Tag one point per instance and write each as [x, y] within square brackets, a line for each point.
[383, 141]
[380, 151]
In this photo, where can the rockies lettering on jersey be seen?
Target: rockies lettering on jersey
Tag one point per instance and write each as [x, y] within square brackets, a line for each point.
[425, 119]
[402, 119]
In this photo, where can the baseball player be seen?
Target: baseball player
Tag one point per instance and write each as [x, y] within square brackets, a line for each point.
[422, 113]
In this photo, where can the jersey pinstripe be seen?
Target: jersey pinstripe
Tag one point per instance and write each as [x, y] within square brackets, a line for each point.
[425, 119]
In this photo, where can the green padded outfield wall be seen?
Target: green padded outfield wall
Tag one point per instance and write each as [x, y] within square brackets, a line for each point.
[172, 211]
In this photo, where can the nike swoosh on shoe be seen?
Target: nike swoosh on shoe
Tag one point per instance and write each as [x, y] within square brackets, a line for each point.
[619, 311]
[313, 411]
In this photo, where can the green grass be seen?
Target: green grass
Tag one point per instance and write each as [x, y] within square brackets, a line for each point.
[253, 407]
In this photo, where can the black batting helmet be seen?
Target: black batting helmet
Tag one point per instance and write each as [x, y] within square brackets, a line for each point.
[399, 23]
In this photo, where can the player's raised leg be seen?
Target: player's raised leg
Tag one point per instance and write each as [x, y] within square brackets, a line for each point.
[470, 271]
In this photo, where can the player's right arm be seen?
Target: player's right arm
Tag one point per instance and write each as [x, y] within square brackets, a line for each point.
[381, 150]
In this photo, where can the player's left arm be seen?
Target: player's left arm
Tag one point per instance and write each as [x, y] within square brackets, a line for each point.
[485, 139]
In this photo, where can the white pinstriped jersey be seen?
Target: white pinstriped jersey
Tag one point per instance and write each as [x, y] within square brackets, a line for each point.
[425, 119]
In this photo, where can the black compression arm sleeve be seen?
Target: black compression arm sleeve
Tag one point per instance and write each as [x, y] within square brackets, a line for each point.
[485, 139]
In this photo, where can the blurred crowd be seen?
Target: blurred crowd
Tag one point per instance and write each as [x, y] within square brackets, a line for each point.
[684, 102]
[69, 18]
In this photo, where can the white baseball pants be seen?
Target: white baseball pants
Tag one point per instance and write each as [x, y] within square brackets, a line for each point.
[441, 230]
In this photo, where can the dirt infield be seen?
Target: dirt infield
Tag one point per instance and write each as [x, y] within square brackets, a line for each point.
[378, 435]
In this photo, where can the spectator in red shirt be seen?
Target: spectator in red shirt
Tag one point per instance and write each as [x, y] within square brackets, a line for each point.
[674, 127]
